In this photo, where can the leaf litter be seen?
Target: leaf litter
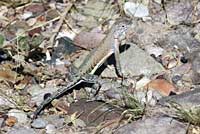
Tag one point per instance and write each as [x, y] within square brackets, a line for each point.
[40, 40]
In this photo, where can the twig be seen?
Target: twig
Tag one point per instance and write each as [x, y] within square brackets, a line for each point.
[40, 25]
[59, 25]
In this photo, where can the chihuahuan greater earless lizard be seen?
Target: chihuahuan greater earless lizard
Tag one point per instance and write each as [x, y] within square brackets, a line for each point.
[94, 60]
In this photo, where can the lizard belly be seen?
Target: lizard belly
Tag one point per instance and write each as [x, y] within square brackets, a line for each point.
[94, 60]
[101, 62]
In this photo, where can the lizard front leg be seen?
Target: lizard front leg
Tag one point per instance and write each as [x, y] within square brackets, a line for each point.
[117, 60]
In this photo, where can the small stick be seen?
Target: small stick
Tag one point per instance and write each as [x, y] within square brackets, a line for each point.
[59, 25]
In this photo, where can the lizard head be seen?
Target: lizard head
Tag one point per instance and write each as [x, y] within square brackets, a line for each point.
[120, 29]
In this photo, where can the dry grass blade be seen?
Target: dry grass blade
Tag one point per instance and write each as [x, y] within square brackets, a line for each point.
[191, 115]
[134, 109]
[59, 25]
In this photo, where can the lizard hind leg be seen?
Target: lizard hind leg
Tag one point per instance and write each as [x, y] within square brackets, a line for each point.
[94, 80]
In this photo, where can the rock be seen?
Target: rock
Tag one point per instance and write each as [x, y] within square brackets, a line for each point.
[39, 123]
[50, 129]
[158, 1]
[55, 120]
[135, 10]
[113, 94]
[108, 84]
[102, 9]
[182, 39]
[88, 40]
[155, 50]
[26, 15]
[186, 100]
[179, 12]
[182, 69]
[196, 67]
[176, 78]
[90, 110]
[134, 62]
[38, 93]
[21, 130]
[150, 97]
[142, 82]
[154, 125]
[20, 115]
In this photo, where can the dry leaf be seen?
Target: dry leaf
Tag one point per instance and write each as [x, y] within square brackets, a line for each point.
[61, 105]
[161, 85]
[10, 121]
[8, 75]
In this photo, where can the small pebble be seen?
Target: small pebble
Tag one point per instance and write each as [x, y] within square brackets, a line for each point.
[176, 78]
[56, 120]
[50, 129]
[20, 115]
[39, 123]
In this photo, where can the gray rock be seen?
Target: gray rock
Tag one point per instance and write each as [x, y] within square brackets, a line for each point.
[39, 123]
[182, 39]
[196, 67]
[38, 93]
[187, 99]
[55, 120]
[154, 125]
[136, 10]
[50, 129]
[21, 130]
[179, 12]
[134, 62]
[20, 115]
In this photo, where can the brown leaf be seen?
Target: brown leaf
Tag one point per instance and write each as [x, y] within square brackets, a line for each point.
[35, 31]
[10, 121]
[8, 75]
[35, 8]
[61, 105]
[161, 85]
[23, 83]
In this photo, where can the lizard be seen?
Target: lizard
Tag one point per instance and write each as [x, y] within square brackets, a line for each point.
[109, 45]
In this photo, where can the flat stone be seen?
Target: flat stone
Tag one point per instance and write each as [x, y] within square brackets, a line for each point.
[136, 10]
[55, 120]
[90, 110]
[50, 129]
[186, 100]
[154, 125]
[179, 12]
[20, 115]
[21, 130]
[39, 123]
[38, 93]
[134, 62]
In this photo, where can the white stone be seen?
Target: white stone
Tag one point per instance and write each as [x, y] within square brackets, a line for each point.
[20, 115]
[136, 10]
